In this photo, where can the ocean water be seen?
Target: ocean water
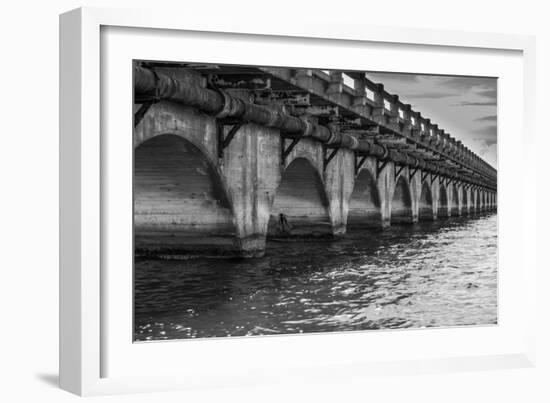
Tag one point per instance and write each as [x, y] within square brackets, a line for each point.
[432, 274]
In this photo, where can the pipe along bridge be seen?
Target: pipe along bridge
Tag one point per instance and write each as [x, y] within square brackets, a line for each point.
[226, 156]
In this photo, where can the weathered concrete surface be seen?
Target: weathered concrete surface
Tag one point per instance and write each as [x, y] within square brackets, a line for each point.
[180, 199]
[364, 204]
[443, 208]
[464, 204]
[339, 186]
[454, 206]
[191, 196]
[302, 201]
[401, 202]
[425, 204]
[167, 209]
[251, 168]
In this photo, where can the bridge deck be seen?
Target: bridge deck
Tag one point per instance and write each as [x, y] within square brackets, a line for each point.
[365, 111]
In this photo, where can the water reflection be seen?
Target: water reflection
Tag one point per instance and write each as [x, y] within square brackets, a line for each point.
[431, 274]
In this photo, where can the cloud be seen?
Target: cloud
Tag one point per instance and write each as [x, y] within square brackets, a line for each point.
[382, 77]
[489, 118]
[485, 136]
[487, 150]
[488, 93]
[491, 129]
[432, 95]
[467, 103]
[469, 83]
[473, 86]
[489, 154]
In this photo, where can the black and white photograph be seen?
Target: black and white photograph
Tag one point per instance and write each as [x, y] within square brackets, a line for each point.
[272, 200]
[284, 202]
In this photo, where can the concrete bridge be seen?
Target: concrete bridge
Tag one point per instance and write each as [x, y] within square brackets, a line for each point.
[222, 151]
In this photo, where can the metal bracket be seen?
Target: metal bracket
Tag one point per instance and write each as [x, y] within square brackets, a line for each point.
[398, 172]
[285, 151]
[224, 141]
[326, 159]
[147, 101]
[424, 175]
[433, 178]
[380, 167]
[138, 116]
[360, 163]
[411, 175]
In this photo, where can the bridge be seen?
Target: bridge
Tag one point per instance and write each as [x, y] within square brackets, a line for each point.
[226, 154]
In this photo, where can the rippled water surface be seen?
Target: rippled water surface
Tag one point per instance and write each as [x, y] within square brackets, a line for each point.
[431, 274]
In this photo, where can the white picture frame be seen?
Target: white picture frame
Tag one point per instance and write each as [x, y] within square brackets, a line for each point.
[84, 306]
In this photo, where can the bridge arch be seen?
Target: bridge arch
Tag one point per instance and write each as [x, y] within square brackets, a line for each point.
[184, 121]
[454, 201]
[306, 150]
[180, 199]
[425, 205]
[401, 202]
[443, 207]
[300, 206]
[364, 205]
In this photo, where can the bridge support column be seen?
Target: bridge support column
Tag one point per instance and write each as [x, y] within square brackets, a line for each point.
[415, 185]
[339, 184]
[385, 185]
[472, 201]
[252, 171]
[443, 199]
[462, 208]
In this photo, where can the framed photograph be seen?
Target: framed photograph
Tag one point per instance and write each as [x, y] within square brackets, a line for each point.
[245, 204]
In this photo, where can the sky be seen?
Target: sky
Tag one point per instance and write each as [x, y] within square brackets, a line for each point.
[465, 107]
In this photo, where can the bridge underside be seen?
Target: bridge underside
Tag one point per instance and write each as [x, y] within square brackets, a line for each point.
[364, 205]
[179, 201]
[300, 207]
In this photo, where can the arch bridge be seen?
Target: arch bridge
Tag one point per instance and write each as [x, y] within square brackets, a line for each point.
[226, 156]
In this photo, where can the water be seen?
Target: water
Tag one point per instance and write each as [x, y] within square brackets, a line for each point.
[426, 275]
